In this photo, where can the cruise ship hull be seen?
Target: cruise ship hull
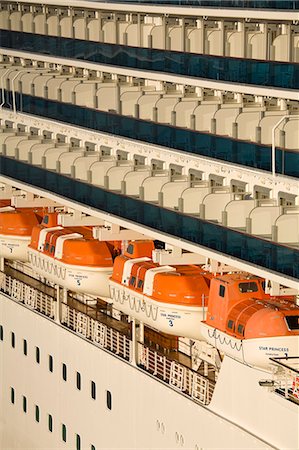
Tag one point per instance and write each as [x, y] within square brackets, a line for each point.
[145, 413]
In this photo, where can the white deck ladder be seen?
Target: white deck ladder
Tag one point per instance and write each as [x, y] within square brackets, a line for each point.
[30, 296]
[177, 376]
[199, 388]
[82, 324]
[16, 291]
[100, 334]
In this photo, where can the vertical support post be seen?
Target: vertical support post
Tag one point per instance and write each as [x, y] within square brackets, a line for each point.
[58, 306]
[134, 346]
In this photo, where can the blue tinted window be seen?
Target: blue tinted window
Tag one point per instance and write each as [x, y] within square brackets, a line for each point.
[195, 142]
[263, 253]
[268, 73]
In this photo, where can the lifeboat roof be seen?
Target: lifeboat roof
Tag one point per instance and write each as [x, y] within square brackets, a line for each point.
[72, 245]
[187, 285]
[18, 222]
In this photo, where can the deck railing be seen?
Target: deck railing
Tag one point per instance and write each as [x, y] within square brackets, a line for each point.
[286, 377]
[176, 375]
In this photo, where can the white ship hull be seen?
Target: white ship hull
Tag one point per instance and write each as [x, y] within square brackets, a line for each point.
[14, 247]
[167, 318]
[146, 414]
[91, 281]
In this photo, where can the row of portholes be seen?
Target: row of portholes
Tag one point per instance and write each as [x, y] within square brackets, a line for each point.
[160, 426]
[179, 438]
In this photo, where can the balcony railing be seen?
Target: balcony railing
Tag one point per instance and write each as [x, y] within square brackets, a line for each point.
[195, 142]
[220, 68]
[246, 4]
[266, 254]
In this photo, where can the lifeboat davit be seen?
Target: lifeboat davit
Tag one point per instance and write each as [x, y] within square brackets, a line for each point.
[248, 325]
[15, 232]
[171, 299]
[72, 258]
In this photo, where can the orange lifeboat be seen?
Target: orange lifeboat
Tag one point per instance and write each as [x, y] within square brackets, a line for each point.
[15, 231]
[245, 323]
[72, 258]
[172, 299]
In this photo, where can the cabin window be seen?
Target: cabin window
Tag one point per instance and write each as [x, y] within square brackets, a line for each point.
[63, 432]
[37, 355]
[46, 220]
[221, 290]
[24, 404]
[230, 324]
[13, 339]
[64, 372]
[51, 363]
[37, 413]
[78, 381]
[132, 281]
[93, 390]
[109, 400]
[130, 249]
[248, 287]
[12, 395]
[140, 284]
[47, 246]
[293, 322]
[25, 347]
[1, 333]
[241, 329]
[78, 442]
[50, 423]
[92, 447]
[52, 249]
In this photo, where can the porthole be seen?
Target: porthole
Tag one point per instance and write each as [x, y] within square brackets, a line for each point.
[109, 400]
[50, 423]
[158, 425]
[93, 391]
[13, 339]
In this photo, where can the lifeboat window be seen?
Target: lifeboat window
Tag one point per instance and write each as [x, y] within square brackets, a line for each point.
[241, 329]
[230, 324]
[221, 290]
[140, 284]
[52, 249]
[132, 281]
[47, 246]
[130, 249]
[248, 287]
[25, 347]
[46, 220]
[293, 322]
